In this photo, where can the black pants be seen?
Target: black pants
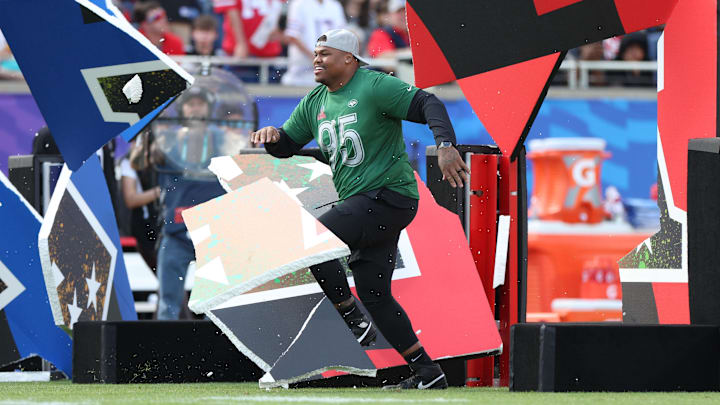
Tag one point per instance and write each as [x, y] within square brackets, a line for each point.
[370, 224]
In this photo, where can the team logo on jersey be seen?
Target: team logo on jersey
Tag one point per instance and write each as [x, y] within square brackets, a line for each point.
[322, 115]
[352, 103]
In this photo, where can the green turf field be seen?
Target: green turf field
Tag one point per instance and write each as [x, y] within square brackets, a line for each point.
[63, 392]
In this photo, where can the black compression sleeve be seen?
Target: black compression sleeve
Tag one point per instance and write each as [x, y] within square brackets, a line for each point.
[425, 108]
[284, 148]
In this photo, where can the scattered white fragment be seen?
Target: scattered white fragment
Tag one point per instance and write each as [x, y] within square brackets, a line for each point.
[225, 167]
[133, 90]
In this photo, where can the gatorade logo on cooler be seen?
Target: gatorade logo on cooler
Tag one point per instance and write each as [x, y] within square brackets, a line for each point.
[583, 172]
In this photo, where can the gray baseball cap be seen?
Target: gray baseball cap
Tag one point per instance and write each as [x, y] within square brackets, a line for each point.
[343, 40]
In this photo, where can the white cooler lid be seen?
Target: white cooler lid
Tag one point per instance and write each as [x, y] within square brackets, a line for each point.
[548, 144]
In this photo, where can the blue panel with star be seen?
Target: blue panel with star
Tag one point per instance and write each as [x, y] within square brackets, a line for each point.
[81, 252]
[26, 320]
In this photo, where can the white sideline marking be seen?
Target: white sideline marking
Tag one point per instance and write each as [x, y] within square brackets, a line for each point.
[25, 376]
[332, 400]
[28, 402]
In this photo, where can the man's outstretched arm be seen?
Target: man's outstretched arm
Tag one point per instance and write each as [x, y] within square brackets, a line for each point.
[276, 142]
[425, 108]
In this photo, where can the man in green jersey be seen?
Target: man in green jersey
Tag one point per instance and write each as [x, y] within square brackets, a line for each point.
[355, 116]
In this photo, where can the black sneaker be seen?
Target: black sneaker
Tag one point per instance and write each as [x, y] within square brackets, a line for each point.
[424, 378]
[361, 326]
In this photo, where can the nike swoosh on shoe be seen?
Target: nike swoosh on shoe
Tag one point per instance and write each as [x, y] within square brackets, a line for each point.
[422, 386]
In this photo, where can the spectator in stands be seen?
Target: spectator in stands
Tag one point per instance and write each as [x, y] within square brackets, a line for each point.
[139, 197]
[633, 48]
[250, 27]
[388, 39]
[152, 22]
[362, 19]
[204, 37]
[306, 21]
[594, 51]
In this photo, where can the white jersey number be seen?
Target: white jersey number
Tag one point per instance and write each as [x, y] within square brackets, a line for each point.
[340, 147]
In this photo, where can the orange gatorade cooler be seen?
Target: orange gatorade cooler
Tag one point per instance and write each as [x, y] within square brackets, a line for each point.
[567, 179]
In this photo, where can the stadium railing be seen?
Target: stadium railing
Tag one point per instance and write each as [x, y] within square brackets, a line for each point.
[578, 71]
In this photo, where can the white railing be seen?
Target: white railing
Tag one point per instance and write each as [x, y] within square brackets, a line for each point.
[578, 71]
[265, 64]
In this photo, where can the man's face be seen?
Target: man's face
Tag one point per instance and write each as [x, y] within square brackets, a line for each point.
[155, 21]
[204, 40]
[329, 64]
[196, 107]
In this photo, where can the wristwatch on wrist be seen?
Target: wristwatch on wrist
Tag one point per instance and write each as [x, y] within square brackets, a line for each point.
[444, 144]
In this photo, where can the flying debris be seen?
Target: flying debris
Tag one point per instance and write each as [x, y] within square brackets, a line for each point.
[133, 90]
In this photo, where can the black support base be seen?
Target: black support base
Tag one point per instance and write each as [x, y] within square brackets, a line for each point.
[614, 357]
[703, 216]
[157, 352]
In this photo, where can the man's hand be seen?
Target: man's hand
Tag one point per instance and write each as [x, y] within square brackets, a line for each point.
[265, 135]
[453, 168]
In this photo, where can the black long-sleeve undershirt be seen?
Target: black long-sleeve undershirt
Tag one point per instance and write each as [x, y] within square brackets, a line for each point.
[285, 147]
[424, 108]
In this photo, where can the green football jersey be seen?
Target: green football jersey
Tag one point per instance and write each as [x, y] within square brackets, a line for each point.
[359, 130]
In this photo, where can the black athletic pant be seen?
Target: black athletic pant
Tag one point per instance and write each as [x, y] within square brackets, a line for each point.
[370, 224]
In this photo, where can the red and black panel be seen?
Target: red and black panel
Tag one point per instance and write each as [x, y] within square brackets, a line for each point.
[546, 6]
[504, 54]
[655, 303]
[431, 65]
[507, 100]
[479, 36]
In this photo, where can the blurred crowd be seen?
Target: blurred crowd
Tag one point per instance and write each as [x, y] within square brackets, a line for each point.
[289, 28]
[635, 47]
